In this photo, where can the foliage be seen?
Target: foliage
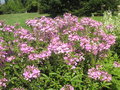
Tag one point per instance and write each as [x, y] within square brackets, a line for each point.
[19, 6]
[12, 6]
[78, 7]
[58, 7]
[113, 23]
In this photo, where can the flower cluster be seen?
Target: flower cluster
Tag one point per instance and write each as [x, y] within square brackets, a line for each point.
[97, 44]
[23, 34]
[74, 60]
[31, 22]
[67, 87]
[90, 22]
[24, 48]
[42, 55]
[116, 64]
[73, 37]
[31, 72]
[58, 48]
[3, 53]
[1, 40]
[3, 82]
[10, 58]
[110, 26]
[8, 28]
[97, 74]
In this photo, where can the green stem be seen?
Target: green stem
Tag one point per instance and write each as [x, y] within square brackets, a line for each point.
[92, 60]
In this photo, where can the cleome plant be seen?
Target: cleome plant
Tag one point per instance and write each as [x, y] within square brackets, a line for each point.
[60, 53]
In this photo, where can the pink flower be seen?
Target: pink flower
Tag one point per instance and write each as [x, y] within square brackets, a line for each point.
[116, 64]
[110, 26]
[1, 47]
[73, 60]
[9, 59]
[31, 72]
[59, 47]
[24, 34]
[3, 82]
[90, 22]
[97, 74]
[25, 48]
[73, 37]
[8, 28]
[45, 54]
[33, 56]
[67, 87]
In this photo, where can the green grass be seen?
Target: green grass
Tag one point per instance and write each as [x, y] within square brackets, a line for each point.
[20, 18]
[98, 18]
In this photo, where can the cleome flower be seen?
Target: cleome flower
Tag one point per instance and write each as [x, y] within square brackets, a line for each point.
[97, 74]
[31, 72]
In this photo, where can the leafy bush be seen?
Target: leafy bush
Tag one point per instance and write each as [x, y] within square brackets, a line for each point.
[78, 7]
[58, 53]
[12, 7]
[113, 24]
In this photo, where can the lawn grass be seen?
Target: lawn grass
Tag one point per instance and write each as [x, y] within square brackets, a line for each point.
[98, 18]
[20, 18]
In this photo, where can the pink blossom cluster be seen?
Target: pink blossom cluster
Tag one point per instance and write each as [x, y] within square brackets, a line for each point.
[23, 34]
[116, 64]
[78, 57]
[24, 48]
[73, 37]
[90, 22]
[3, 82]
[110, 26]
[66, 21]
[97, 44]
[43, 24]
[31, 72]
[67, 87]
[31, 22]
[45, 54]
[2, 47]
[87, 32]
[3, 54]
[1, 40]
[8, 28]
[10, 58]
[97, 74]
[33, 56]
[42, 55]
[59, 47]
[43, 28]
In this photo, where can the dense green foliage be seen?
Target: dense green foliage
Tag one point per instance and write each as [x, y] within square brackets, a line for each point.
[78, 7]
[58, 7]
[19, 6]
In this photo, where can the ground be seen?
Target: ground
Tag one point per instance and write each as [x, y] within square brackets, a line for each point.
[20, 18]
